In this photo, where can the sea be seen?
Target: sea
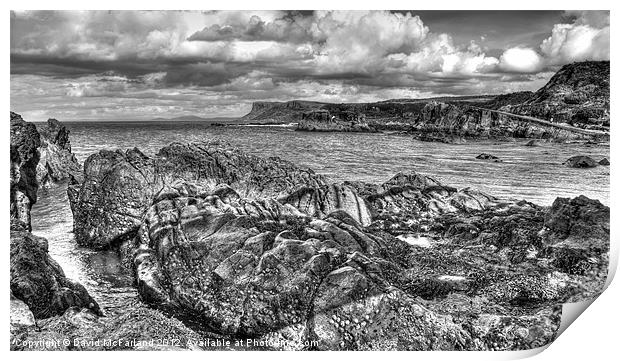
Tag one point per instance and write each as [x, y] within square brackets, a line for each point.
[533, 173]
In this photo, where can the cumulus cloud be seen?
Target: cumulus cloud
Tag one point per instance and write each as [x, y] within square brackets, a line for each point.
[587, 38]
[521, 60]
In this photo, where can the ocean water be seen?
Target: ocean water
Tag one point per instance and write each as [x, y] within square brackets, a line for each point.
[532, 173]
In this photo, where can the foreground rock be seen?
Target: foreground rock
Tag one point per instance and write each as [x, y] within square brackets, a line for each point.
[25, 143]
[118, 187]
[57, 161]
[40, 282]
[580, 161]
[264, 270]
[213, 234]
[39, 287]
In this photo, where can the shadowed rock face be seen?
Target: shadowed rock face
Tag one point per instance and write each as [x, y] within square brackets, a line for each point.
[40, 282]
[57, 161]
[25, 143]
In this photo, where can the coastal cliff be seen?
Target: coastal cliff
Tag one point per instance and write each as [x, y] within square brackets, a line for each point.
[573, 105]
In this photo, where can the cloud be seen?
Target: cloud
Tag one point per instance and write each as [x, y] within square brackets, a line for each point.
[222, 60]
[587, 38]
[521, 60]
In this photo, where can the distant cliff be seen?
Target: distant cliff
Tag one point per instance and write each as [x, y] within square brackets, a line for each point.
[576, 97]
[578, 94]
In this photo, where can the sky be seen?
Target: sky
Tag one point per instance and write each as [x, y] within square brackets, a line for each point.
[131, 65]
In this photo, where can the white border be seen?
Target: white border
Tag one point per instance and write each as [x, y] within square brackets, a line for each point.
[593, 336]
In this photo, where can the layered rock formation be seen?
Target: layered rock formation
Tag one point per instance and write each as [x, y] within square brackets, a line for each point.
[57, 162]
[259, 248]
[119, 187]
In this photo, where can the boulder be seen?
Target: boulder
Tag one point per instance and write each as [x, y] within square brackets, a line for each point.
[486, 156]
[38, 281]
[531, 143]
[580, 161]
[604, 161]
[577, 235]
[25, 143]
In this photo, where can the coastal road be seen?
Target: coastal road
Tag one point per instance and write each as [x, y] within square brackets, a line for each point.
[548, 123]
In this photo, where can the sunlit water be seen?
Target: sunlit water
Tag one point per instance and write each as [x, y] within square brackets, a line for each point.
[532, 173]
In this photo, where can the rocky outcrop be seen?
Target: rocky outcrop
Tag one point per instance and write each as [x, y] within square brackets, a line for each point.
[577, 94]
[580, 161]
[40, 282]
[264, 270]
[57, 162]
[25, 143]
[486, 156]
[576, 235]
[463, 120]
[118, 187]
[258, 248]
[39, 287]
[342, 121]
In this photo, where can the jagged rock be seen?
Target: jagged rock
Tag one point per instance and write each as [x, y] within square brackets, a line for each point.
[580, 161]
[25, 143]
[410, 202]
[263, 269]
[486, 156]
[249, 254]
[577, 234]
[118, 187]
[604, 161]
[40, 282]
[243, 271]
[57, 161]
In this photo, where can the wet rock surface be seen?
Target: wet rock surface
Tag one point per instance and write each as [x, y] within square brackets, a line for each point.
[215, 236]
